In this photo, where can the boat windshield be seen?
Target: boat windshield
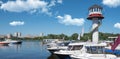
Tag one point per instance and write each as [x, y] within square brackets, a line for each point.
[63, 44]
[95, 49]
[2, 39]
[75, 47]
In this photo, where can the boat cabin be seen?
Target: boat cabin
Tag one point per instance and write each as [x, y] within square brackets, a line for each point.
[95, 49]
[75, 46]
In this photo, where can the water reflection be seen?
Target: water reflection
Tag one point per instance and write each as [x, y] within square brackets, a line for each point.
[26, 50]
[3, 47]
[53, 56]
[17, 47]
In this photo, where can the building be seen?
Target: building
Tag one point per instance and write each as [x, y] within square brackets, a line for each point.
[9, 36]
[17, 34]
[41, 34]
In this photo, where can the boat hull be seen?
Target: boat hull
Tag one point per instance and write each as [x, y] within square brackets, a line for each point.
[18, 42]
[53, 50]
[4, 43]
[61, 56]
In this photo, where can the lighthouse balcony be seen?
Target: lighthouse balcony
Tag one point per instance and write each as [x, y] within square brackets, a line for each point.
[95, 13]
[91, 16]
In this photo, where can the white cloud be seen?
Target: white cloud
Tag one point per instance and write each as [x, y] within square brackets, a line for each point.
[1, 2]
[68, 20]
[117, 25]
[29, 6]
[59, 1]
[52, 3]
[16, 23]
[111, 3]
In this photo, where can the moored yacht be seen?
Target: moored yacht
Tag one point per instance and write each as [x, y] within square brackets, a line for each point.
[56, 46]
[93, 51]
[13, 41]
[72, 48]
[114, 47]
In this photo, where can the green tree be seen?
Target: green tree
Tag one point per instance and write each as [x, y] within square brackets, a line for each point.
[74, 36]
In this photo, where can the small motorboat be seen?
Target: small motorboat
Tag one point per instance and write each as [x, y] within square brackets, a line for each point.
[93, 51]
[13, 41]
[16, 42]
[3, 43]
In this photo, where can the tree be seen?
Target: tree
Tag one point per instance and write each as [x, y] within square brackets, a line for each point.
[51, 36]
[74, 36]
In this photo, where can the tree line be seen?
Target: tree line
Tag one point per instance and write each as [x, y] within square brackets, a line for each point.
[74, 36]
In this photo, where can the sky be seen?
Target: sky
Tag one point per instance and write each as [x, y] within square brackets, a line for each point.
[56, 16]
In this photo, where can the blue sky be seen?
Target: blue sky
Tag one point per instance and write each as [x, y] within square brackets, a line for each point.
[55, 16]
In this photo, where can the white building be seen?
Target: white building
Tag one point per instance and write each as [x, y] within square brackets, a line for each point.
[17, 34]
[41, 34]
[9, 35]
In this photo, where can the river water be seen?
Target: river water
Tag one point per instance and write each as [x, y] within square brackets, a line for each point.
[26, 50]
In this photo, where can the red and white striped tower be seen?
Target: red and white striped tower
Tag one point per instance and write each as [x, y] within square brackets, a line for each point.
[95, 15]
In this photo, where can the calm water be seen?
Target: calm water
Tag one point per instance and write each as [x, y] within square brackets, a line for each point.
[27, 50]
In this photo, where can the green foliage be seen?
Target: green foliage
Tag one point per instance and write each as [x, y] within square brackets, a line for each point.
[86, 37]
[54, 36]
[74, 36]
[104, 36]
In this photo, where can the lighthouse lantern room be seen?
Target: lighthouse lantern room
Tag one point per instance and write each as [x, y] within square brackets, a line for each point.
[95, 15]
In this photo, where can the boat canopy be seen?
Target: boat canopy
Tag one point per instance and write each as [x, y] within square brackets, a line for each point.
[79, 43]
[101, 44]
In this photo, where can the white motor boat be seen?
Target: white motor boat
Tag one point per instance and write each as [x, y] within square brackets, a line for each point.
[93, 51]
[56, 46]
[72, 48]
[3, 43]
[13, 41]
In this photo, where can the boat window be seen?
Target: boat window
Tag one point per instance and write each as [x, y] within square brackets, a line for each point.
[63, 44]
[69, 47]
[95, 49]
[76, 47]
[66, 43]
[60, 44]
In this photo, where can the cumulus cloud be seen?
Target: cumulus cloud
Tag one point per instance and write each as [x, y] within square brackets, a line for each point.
[59, 1]
[68, 20]
[52, 3]
[111, 3]
[16, 23]
[28, 6]
[117, 25]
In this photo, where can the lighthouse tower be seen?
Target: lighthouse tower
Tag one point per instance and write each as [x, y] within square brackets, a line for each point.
[95, 15]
